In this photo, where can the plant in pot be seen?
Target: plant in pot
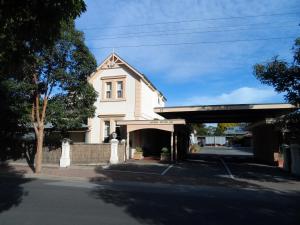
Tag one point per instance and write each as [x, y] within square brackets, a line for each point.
[165, 154]
[138, 154]
[194, 148]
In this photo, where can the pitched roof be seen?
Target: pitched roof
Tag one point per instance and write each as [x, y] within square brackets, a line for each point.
[113, 57]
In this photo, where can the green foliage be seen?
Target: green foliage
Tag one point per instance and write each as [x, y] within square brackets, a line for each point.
[200, 128]
[211, 130]
[283, 76]
[138, 149]
[61, 73]
[28, 26]
[165, 151]
[223, 126]
[195, 148]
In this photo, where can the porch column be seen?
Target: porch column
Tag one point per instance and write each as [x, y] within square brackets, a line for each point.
[172, 147]
[175, 146]
[126, 156]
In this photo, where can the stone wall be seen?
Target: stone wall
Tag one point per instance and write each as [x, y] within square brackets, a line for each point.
[89, 153]
[51, 155]
[121, 152]
[82, 153]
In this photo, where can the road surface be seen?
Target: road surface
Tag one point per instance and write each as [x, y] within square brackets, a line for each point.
[46, 202]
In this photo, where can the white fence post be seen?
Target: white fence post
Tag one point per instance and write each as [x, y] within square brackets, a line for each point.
[114, 159]
[65, 160]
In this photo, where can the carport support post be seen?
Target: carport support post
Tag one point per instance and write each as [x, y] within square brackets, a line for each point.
[172, 147]
[127, 147]
[175, 146]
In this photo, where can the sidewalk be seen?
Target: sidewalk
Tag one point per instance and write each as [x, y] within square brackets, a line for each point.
[194, 174]
[98, 174]
[51, 171]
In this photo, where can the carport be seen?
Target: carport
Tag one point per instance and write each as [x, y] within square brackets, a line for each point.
[261, 116]
[152, 135]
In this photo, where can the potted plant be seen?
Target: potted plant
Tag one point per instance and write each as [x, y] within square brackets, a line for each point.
[165, 154]
[194, 148]
[138, 154]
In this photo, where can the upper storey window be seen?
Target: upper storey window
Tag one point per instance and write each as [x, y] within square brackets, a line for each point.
[108, 90]
[120, 89]
[113, 88]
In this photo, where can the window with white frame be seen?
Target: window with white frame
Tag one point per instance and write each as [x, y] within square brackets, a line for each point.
[120, 89]
[108, 89]
[106, 129]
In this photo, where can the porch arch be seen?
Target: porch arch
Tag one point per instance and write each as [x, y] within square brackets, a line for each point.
[162, 125]
[151, 140]
[131, 128]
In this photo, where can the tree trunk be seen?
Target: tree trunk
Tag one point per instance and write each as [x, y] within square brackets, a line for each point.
[39, 150]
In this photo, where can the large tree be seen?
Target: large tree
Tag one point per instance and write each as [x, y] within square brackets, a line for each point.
[54, 88]
[285, 78]
[200, 128]
[222, 127]
[27, 26]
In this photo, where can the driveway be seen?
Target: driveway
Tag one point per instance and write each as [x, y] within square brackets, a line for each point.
[237, 151]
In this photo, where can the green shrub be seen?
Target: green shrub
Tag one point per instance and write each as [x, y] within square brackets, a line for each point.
[138, 149]
[165, 151]
[195, 148]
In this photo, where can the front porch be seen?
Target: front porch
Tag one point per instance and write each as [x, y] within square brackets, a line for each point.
[153, 135]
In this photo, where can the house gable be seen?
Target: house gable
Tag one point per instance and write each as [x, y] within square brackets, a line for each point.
[113, 61]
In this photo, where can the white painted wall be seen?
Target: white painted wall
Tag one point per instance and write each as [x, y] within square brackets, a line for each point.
[149, 100]
[126, 106]
[117, 107]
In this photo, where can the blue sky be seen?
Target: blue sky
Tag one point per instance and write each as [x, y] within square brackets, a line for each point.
[195, 52]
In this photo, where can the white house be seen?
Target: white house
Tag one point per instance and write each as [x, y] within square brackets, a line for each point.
[123, 94]
[125, 105]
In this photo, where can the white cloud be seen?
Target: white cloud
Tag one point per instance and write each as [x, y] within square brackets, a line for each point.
[238, 96]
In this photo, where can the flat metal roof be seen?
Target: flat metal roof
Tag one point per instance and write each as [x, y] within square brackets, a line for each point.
[150, 122]
[225, 113]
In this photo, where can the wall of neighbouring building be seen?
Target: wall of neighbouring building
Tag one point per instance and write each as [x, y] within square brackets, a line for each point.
[265, 142]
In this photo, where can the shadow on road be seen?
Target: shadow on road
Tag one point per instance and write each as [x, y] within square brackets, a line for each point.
[11, 190]
[206, 207]
[185, 173]
[210, 197]
[261, 172]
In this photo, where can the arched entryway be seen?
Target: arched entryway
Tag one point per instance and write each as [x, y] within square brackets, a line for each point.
[151, 141]
[153, 135]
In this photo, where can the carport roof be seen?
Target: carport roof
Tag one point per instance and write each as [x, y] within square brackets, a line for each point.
[225, 113]
[167, 125]
[150, 122]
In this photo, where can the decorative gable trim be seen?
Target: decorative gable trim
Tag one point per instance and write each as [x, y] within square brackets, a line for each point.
[114, 61]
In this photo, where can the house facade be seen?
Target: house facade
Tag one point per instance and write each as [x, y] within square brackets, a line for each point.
[123, 94]
[125, 105]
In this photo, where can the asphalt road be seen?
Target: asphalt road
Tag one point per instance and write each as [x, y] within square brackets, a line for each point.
[46, 202]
